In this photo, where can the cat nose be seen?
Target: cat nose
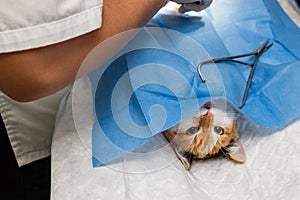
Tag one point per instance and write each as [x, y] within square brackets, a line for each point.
[208, 114]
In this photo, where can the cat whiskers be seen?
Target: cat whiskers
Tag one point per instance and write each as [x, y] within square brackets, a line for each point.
[223, 148]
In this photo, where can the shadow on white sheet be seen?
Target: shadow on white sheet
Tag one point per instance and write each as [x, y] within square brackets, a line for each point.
[272, 169]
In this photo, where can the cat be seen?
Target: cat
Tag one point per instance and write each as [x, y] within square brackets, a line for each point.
[208, 132]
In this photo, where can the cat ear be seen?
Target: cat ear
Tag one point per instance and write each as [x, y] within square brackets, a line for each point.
[236, 151]
[185, 157]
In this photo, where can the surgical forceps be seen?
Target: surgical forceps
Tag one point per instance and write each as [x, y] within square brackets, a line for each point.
[265, 46]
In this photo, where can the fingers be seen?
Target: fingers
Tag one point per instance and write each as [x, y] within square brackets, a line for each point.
[195, 6]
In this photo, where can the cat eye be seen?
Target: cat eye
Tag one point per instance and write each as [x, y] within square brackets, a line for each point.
[219, 130]
[192, 130]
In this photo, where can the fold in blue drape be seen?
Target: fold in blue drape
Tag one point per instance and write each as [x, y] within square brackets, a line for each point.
[155, 87]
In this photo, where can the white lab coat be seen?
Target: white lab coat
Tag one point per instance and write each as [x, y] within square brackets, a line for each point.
[30, 24]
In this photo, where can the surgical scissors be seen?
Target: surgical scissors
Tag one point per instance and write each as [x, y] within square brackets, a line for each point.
[265, 46]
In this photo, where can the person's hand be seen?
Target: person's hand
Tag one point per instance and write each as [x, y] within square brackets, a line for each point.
[192, 5]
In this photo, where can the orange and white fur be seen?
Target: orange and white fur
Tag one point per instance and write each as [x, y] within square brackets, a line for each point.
[209, 131]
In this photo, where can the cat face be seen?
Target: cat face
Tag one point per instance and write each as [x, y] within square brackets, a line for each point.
[206, 133]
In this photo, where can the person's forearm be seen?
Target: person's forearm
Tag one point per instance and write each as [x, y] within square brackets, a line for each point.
[32, 74]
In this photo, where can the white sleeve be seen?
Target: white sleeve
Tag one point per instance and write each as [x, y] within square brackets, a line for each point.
[30, 24]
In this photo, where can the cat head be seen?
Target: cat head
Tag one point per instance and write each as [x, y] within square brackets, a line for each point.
[207, 132]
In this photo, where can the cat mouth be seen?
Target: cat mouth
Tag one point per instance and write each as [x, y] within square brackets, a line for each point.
[207, 105]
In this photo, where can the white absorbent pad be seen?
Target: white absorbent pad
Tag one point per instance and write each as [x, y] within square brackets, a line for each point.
[272, 169]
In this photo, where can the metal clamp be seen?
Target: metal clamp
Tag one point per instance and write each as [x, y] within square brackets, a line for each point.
[265, 46]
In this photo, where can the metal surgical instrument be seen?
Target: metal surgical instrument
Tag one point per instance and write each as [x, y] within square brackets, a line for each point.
[265, 46]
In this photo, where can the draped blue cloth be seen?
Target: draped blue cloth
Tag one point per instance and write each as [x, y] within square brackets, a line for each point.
[154, 84]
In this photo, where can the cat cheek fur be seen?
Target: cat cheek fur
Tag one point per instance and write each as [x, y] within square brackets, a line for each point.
[224, 140]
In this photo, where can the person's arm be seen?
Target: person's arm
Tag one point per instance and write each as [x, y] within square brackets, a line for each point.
[32, 74]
